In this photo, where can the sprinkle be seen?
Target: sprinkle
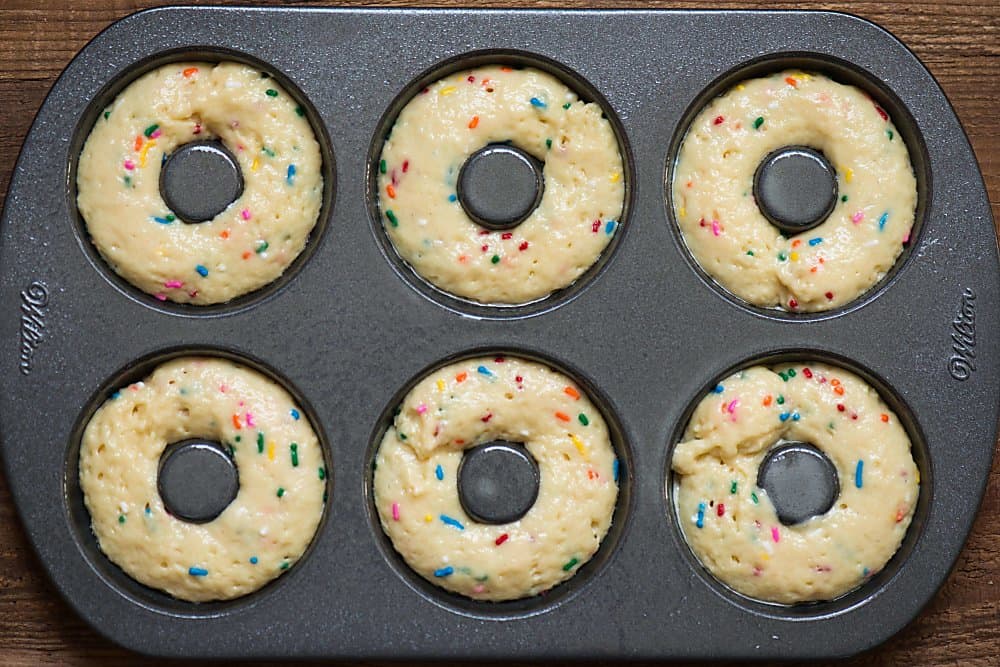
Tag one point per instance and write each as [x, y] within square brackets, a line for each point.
[395, 511]
[448, 90]
[128, 164]
[448, 521]
[572, 393]
[236, 422]
[579, 445]
[121, 518]
[144, 151]
[700, 520]
[295, 414]
[615, 177]
[775, 535]
[245, 214]
[792, 303]
[716, 228]
[782, 256]
[495, 259]
[500, 540]
[750, 252]
[882, 220]
[482, 370]
[381, 166]
[781, 399]
[562, 416]
[285, 565]
[391, 191]
[848, 175]
[249, 419]
[796, 416]
[474, 123]
[281, 491]
[523, 246]
[582, 418]
[829, 296]
[392, 218]
[173, 284]
[567, 105]
[784, 416]
[150, 130]
[548, 143]
[428, 518]
[444, 571]
[719, 389]
[816, 241]
[570, 564]
[753, 497]
[461, 377]
[290, 175]
[165, 220]
[843, 198]
[202, 271]
[885, 418]
[794, 257]
[197, 571]
[889, 134]
[758, 121]
[535, 102]
[262, 246]
[439, 472]
[720, 509]
[322, 473]
[732, 487]
[260, 442]
[271, 92]
[719, 120]
[614, 469]
[858, 471]
[791, 82]
[253, 560]
[300, 112]
[882, 113]
[295, 454]
[107, 114]
[270, 451]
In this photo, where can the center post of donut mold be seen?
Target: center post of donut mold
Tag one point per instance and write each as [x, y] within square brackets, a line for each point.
[200, 180]
[500, 185]
[497, 482]
[800, 481]
[197, 480]
[795, 188]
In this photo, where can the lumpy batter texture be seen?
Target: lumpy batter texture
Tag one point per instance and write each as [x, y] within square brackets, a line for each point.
[249, 244]
[731, 524]
[477, 401]
[831, 264]
[456, 116]
[262, 532]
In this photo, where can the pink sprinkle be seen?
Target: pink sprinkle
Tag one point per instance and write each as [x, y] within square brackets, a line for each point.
[421, 409]
[906, 237]
[775, 535]
[716, 228]
[161, 297]
[733, 404]
[173, 284]
[858, 217]
[223, 388]
[395, 511]
[129, 165]
[478, 588]
[197, 128]
[245, 214]
[156, 134]
[250, 419]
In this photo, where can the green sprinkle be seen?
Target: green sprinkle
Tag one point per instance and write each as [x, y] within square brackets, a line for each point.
[382, 167]
[750, 252]
[495, 259]
[267, 151]
[889, 132]
[300, 111]
[261, 246]
[149, 130]
[782, 256]
[128, 181]
[569, 565]
[402, 436]
[121, 518]
[106, 114]
[783, 376]
[238, 438]
[567, 105]
[271, 92]
[753, 497]
[843, 198]
[548, 143]
[781, 400]
[791, 372]
[170, 217]
[322, 472]
[281, 491]
[758, 122]
[285, 565]
[295, 455]
[260, 442]
[732, 487]
[392, 218]
[583, 419]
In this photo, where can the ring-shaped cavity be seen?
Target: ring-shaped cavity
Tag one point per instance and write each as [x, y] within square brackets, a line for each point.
[454, 117]
[479, 400]
[730, 523]
[259, 535]
[252, 241]
[831, 264]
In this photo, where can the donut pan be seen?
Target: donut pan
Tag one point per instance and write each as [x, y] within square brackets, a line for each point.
[349, 329]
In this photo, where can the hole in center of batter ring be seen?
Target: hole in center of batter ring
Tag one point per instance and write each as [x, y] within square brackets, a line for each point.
[197, 479]
[500, 185]
[200, 180]
[800, 480]
[497, 481]
[795, 188]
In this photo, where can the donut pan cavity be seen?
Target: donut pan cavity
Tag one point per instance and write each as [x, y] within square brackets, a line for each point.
[349, 329]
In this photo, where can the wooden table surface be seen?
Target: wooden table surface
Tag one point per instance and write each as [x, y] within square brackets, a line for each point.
[958, 40]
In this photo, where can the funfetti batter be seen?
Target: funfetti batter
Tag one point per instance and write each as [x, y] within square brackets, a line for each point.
[831, 264]
[731, 524]
[263, 531]
[249, 244]
[456, 116]
[476, 401]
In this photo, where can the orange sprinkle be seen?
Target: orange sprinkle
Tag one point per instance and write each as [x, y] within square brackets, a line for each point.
[812, 270]
[573, 393]
[236, 422]
[459, 441]
[391, 191]
[835, 382]
[885, 418]
[899, 515]
[461, 377]
[474, 122]
[190, 71]
[137, 146]
[839, 391]
[246, 254]
[562, 416]
[791, 82]
[767, 400]
[591, 474]
[463, 259]
[225, 234]
[506, 69]
[796, 243]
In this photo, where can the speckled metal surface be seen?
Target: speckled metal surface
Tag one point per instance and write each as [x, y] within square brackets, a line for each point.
[349, 329]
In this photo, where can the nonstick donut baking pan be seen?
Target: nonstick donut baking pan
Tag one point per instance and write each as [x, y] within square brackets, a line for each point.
[350, 328]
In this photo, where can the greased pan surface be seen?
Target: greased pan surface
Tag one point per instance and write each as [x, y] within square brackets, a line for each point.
[350, 329]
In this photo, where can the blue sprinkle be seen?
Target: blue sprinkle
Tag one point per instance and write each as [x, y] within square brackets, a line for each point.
[882, 220]
[253, 560]
[448, 521]
[295, 414]
[700, 521]
[116, 395]
[452, 198]
[162, 221]
[865, 572]
[796, 417]
[149, 512]
[614, 469]
[482, 370]
[784, 416]
[535, 102]
[609, 228]
[719, 389]
[163, 159]
[197, 571]
[439, 472]
[202, 271]
[290, 177]
[858, 482]
[815, 241]
[444, 571]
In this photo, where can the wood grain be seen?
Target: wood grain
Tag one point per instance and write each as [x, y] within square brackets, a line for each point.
[958, 40]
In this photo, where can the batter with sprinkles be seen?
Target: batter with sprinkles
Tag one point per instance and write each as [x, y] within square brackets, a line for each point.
[244, 247]
[451, 119]
[829, 265]
[259, 535]
[731, 524]
[472, 402]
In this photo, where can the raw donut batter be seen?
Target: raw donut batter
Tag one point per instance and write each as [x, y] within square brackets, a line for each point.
[731, 524]
[243, 248]
[824, 267]
[476, 401]
[456, 116]
[259, 535]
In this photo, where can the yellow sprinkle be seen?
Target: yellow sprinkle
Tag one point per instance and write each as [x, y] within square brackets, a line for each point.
[848, 175]
[270, 451]
[795, 256]
[142, 154]
[448, 90]
[440, 384]
[255, 165]
[918, 476]
[683, 212]
[615, 177]
[428, 518]
[740, 86]
[764, 556]
[579, 446]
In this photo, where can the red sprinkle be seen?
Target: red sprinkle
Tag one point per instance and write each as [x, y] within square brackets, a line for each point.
[720, 509]
[500, 540]
[882, 113]
[718, 120]
[523, 246]
[406, 165]
[506, 236]
[594, 227]
[829, 296]
[519, 379]
[808, 373]
[840, 407]
[488, 417]
[792, 303]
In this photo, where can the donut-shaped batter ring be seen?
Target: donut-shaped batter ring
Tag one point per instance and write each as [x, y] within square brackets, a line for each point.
[477, 401]
[451, 119]
[731, 524]
[244, 247]
[259, 535]
[824, 267]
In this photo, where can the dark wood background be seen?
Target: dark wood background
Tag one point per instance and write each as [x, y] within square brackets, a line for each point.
[958, 40]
